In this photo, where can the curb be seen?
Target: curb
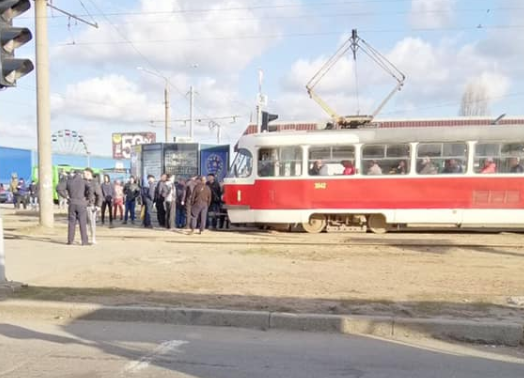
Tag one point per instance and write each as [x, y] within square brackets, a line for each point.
[486, 332]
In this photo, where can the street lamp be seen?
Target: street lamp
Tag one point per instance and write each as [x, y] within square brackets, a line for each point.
[166, 100]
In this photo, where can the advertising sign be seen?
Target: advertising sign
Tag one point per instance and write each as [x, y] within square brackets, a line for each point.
[215, 160]
[123, 143]
[181, 159]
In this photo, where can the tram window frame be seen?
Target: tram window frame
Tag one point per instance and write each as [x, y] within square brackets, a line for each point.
[441, 152]
[332, 158]
[246, 158]
[387, 159]
[276, 165]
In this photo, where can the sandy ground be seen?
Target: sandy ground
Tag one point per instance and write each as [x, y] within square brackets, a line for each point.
[408, 274]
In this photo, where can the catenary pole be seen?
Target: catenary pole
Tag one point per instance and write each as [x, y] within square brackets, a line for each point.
[43, 116]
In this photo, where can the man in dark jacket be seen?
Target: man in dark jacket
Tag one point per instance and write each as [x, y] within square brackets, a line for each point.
[131, 193]
[148, 198]
[180, 210]
[76, 190]
[94, 201]
[216, 199]
[160, 197]
[200, 201]
[186, 198]
[108, 193]
[33, 195]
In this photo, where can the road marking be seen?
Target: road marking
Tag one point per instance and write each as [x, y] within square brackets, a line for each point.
[171, 347]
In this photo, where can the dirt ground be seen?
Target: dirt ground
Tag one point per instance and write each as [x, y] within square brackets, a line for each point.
[408, 274]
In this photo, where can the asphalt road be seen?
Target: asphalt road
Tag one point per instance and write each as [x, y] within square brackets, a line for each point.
[108, 349]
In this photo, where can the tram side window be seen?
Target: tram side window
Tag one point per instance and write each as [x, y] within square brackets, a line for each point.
[242, 166]
[487, 158]
[386, 159]
[442, 158]
[280, 162]
[513, 157]
[329, 161]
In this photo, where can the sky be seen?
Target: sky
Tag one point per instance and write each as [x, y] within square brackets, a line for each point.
[219, 46]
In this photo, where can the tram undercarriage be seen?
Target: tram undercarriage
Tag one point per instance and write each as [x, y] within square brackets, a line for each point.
[346, 223]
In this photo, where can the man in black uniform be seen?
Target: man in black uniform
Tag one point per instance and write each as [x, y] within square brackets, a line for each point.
[76, 190]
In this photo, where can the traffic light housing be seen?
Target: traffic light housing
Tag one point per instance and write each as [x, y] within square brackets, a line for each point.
[11, 38]
[266, 118]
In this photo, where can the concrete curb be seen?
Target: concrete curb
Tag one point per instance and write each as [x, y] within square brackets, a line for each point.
[487, 332]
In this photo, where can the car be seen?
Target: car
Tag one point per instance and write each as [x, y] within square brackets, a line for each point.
[6, 197]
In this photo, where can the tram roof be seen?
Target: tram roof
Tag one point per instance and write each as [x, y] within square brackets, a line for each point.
[508, 132]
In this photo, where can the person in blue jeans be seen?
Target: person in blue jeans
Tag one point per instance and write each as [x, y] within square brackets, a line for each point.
[131, 193]
[180, 208]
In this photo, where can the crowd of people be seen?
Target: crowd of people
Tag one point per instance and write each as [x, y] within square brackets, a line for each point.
[23, 195]
[193, 204]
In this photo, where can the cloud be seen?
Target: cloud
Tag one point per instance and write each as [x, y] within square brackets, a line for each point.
[436, 72]
[110, 97]
[174, 34]
[432, 13]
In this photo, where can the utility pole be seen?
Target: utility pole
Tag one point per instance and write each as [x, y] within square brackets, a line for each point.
[191, 111]
[43, 116]
[166, 103]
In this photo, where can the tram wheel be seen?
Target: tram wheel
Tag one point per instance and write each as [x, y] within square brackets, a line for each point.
[316, 224]
[377, 224]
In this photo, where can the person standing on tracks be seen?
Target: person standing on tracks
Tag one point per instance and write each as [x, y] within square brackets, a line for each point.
[148, 199]
[76, 190]
[216, 199]
[160, 198]
[108, 195]
[200, 201]
[131, 193]
[186, 198]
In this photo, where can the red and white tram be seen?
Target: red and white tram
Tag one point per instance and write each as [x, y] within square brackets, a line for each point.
[395, 177]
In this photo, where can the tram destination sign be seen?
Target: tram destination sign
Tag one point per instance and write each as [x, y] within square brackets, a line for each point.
[123, 143]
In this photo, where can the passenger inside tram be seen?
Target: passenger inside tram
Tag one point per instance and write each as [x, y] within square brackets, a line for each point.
[318, 169]
[400, 169]
[489, 166]
[266, 166]
[349, 167]
[452, 166]
[515, 165]
[427, 167]
[374, 169]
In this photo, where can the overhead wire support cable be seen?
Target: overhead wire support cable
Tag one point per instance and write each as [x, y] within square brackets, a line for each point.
[70, 15]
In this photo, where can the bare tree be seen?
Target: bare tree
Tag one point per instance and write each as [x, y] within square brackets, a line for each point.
[475, 100]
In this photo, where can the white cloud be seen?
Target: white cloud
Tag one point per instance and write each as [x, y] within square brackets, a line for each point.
[432, 13]
[110, 97]
[435, 72]
[172, 35]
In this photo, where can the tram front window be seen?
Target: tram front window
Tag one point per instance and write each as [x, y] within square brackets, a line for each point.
[242, 165]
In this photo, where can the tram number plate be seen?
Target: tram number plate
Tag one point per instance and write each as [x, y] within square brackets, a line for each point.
[320, 185]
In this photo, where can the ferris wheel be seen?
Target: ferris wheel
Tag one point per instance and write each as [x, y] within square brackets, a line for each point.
[69, 141]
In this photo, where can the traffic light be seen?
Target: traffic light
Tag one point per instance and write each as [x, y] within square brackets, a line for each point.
[266, 118]
[11, 38]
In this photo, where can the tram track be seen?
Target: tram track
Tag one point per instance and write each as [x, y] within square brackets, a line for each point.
[210, 239]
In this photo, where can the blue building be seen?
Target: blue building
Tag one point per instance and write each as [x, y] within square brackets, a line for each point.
[21, 162]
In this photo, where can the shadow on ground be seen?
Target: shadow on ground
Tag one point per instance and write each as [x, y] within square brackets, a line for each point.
[348, 306]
